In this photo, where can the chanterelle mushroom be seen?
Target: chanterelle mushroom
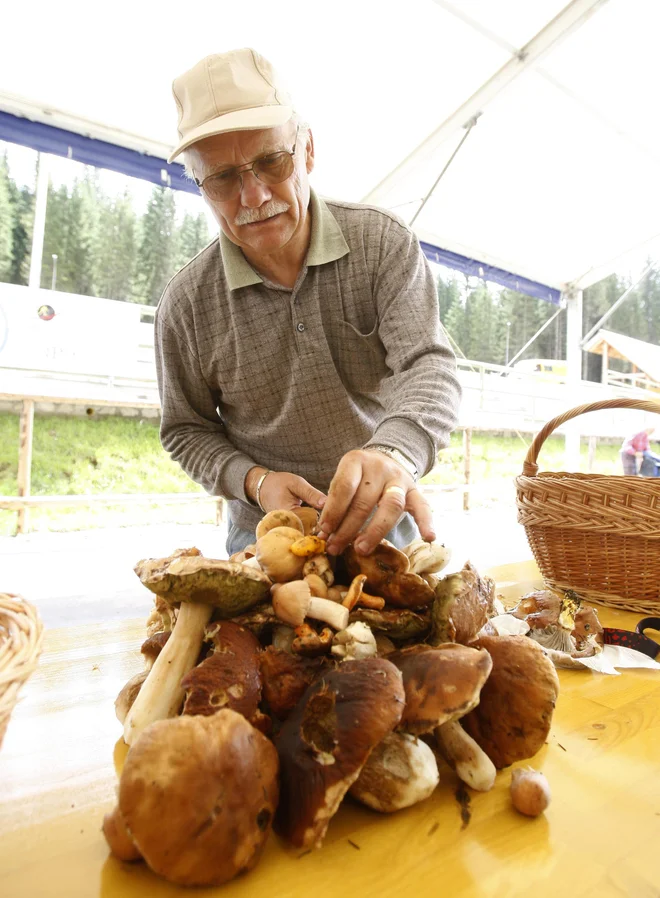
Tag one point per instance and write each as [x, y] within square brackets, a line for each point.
[201, 585]
[512, 719]
[197, 796]
[326, 741]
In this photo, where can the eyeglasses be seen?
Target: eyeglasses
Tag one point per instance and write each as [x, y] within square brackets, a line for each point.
[272, 168]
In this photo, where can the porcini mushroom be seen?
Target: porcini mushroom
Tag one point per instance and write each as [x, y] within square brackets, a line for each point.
[512, 720]
[400, 771]
[465, 756]
[197, 796]
[462, 604]
[399, 623]
[293, 602]
[229, 678]
[425, 557]
[441, 683]
[286, 678]
[325, 742]
[201, 585]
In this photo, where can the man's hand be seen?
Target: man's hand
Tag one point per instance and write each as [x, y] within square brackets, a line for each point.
[282, 490]
[364, 481]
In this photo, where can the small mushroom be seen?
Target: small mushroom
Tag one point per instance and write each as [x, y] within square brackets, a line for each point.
[317, 586]
[309, 518]
[354, 643]
[513, 717]
[325, 742]
[319, 565]
[153, 646]
[307, 546]
[387, 572]
[401, 771]
[197, 796]
[352, 597]
[275, 556]
[128, 694]
[427, 558]
[441, 683]
[282, 637]
[293, 602]
[279, 518]
[309, 643]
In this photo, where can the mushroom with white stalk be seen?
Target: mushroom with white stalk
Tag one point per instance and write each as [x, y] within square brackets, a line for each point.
[293, 602]
[354, 643]
[201, 585]
[427, 558]
[400, 771]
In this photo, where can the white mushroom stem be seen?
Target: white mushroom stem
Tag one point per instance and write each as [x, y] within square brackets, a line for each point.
[293, 602]
[161, 694]
[469, 760]
[427, 558]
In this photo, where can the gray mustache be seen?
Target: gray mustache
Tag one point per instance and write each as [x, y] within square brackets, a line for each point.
[248, 216]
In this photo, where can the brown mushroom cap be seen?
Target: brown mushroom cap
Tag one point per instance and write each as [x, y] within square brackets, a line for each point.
[441, 683]
[227, 585]
[514, 714]
[153, 645]
[308, 516]
[127, 695]
[286, 677]
[118, 838]
[230, 677]
[325, 742]
[387, 574]
[197, 795]
[462, 604]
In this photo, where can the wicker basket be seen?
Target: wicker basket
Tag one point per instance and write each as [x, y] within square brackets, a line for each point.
[596, 534]
[21, 634]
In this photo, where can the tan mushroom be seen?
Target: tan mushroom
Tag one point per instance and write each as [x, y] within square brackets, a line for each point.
[275, 556]
[388, 576]
[279, 518]
[427, 558]
[354, 643]
[309, 643]
[309, 518]
[293, 602]
[319, 565]
[286, 677]
[197, 796]
[462, 604]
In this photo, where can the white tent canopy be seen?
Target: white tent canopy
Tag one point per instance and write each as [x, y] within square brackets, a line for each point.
[555, 182]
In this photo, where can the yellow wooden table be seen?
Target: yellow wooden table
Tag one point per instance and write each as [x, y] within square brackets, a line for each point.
[599, 838]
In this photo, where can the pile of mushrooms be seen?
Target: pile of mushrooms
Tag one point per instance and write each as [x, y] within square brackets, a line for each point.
[280, 680]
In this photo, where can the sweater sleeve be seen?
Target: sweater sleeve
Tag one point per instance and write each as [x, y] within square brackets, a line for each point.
[191, 428]
[422, 395]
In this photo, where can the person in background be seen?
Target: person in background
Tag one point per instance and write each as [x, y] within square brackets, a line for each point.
[300, 355]
[636, 455]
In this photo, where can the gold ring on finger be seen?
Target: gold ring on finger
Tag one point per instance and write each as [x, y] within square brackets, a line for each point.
[396, 489]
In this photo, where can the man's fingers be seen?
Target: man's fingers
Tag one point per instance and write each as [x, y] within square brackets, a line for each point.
[420, 509]
[391, 506]
[311, 496]
[342, 489]
[362, 505]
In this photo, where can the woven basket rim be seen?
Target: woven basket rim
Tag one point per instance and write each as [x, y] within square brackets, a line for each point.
[21, 640]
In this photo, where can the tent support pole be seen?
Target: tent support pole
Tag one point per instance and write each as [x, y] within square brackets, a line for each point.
[39, 221]
[573, 373]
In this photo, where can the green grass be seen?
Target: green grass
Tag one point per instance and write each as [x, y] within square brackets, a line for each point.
[79, 456]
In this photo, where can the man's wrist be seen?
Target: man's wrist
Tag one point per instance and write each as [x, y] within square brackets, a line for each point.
[397, 456]
[251, 480]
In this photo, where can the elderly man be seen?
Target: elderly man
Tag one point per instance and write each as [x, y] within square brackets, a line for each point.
[301, 351]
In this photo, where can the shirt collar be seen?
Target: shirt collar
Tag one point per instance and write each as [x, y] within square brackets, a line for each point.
[327, 244]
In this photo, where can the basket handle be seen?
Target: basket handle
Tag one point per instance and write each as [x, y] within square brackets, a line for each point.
[530, 468]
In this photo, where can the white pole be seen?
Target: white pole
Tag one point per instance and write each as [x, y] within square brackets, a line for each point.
[39, 221]
[573, 374]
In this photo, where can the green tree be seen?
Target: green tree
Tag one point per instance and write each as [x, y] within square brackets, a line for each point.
[6, 221]
[23, 201]
[192, 237]
[157, 255]
[449, 295]
[116, 252]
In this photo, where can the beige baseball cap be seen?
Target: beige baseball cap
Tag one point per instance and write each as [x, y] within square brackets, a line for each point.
[235, 91]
